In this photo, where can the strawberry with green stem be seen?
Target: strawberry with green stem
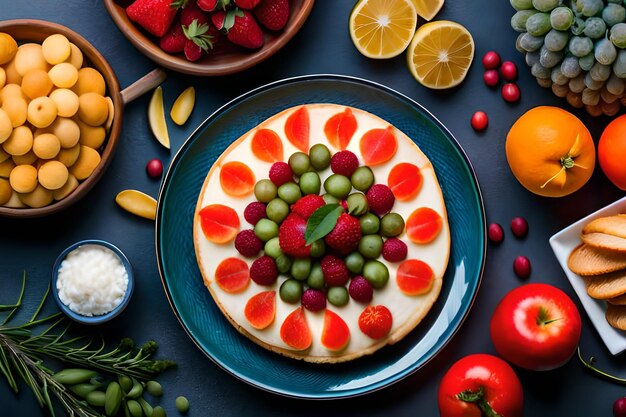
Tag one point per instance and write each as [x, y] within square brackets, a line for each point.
[241, 28]
[212, 5]
[155, 16]
[199, 40]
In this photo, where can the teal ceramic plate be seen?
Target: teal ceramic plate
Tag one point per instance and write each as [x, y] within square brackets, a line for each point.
[198, 313]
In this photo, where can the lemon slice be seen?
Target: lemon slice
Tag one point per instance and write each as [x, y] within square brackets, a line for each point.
[183, 106]
[382, 28]
[440, 54]
[427, 9]
[156, 117]
[137, 203]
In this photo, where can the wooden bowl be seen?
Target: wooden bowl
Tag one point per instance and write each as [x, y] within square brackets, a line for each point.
[220, 63]
[27, 30]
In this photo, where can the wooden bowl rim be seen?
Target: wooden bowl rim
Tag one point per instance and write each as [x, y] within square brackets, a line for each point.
[99, 62]
[177, 63]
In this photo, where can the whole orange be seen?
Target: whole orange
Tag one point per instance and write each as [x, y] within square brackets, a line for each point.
[550, 151]
[612, 152]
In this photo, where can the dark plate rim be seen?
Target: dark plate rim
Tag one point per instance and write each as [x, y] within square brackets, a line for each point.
[340, 78]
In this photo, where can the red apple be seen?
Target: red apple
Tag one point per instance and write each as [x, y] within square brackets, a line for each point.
[536, 326]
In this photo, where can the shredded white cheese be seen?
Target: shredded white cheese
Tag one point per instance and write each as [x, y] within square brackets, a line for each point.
[92, 280]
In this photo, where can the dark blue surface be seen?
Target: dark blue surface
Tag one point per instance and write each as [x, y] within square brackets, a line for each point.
[322, 46]
[264, 369]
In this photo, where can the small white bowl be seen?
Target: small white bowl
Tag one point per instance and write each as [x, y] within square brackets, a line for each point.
[562, 244]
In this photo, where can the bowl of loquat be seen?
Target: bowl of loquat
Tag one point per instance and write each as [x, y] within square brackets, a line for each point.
[60, 116]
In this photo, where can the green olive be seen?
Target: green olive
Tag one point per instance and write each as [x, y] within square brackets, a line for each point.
[301, 268]
[357, 204]
[338, 185]
[318, 248]
[277, 210]
[370, 223]
[283, 263]
[289, 192]
[265, 191]
[310, 183]
[392, 224]
[338, 296]
[354, 262]
[266, 229]
[316, 277]
[272, 248]
[370, 246]
[299, 163]
[376, 273]
[319, 156]
[363, 178]
[290, 291]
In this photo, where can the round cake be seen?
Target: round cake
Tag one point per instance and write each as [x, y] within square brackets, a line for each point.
[322, 233]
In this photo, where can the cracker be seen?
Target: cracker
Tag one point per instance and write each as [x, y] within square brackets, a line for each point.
[604, 241]
[603, 287]
[620, 300]
[611, 225]
[586, 260]
[616, 316]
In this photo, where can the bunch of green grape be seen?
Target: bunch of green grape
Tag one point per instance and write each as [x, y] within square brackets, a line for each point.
[577, 48]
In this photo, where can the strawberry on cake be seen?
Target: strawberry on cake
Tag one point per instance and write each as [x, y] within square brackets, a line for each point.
[322, 233]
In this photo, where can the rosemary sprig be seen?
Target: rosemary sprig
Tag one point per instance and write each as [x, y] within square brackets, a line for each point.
[22, 349]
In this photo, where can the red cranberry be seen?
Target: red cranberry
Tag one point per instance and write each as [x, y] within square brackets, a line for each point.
[508, 71]
[495, 233]
[479, 121]
[521, 267]
[154, 168]
[619, 407]
[510, 92]
[519, 227]
[491, 78]
[491, 60]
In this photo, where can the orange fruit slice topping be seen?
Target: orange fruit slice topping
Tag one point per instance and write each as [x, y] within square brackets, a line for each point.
[237, 179]
[219, 223]
[297, 128]
[267, 146]
[414, 277]
[405, 181]
[232, 275]
[260, 309]
[378, 146]
[295, 331]
[340, 128]
[423, 225]
[335, 334]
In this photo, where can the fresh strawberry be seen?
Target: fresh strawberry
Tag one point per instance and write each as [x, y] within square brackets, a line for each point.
[313, 300]
[376, 321]
[344, 163]
[248, 244]
[254, 212]
[246, 4]
[198, 40]
[380, 199]
[211, 5]
[263, 270]
[335, 271]
[291, 237]
[218, 19]
[280, 173]
[273, 14]
[345, 236]
[155, 16]
[174, 40]
[307, 205]
[192, 12]
[242, 29]
[394, 250]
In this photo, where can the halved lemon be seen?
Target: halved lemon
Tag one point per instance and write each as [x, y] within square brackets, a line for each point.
[156, 118]
[440, 54]
[382, 28]
[427, 9]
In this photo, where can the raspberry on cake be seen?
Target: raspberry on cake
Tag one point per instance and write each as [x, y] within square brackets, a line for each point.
[349, 240]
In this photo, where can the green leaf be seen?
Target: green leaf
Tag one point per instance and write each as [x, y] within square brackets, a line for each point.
[229, 20]
[322, 222]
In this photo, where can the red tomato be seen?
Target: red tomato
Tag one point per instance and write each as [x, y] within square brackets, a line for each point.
[500, 387]
[536, 326]
[612, 152]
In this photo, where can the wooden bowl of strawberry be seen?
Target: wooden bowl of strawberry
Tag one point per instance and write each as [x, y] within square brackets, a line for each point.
[209, 37]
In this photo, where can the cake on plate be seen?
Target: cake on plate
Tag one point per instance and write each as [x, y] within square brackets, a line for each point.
[322, 233]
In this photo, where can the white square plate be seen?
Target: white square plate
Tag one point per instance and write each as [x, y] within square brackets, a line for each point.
[562, 244]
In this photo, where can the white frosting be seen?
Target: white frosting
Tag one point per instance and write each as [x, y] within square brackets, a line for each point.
[404, 308]
[92, 280]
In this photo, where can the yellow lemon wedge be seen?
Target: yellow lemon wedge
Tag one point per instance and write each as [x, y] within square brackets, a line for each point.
[427, 9]
[156, 118]
[183, 106]
[382, 28]
[440, 54]
[137, 203]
